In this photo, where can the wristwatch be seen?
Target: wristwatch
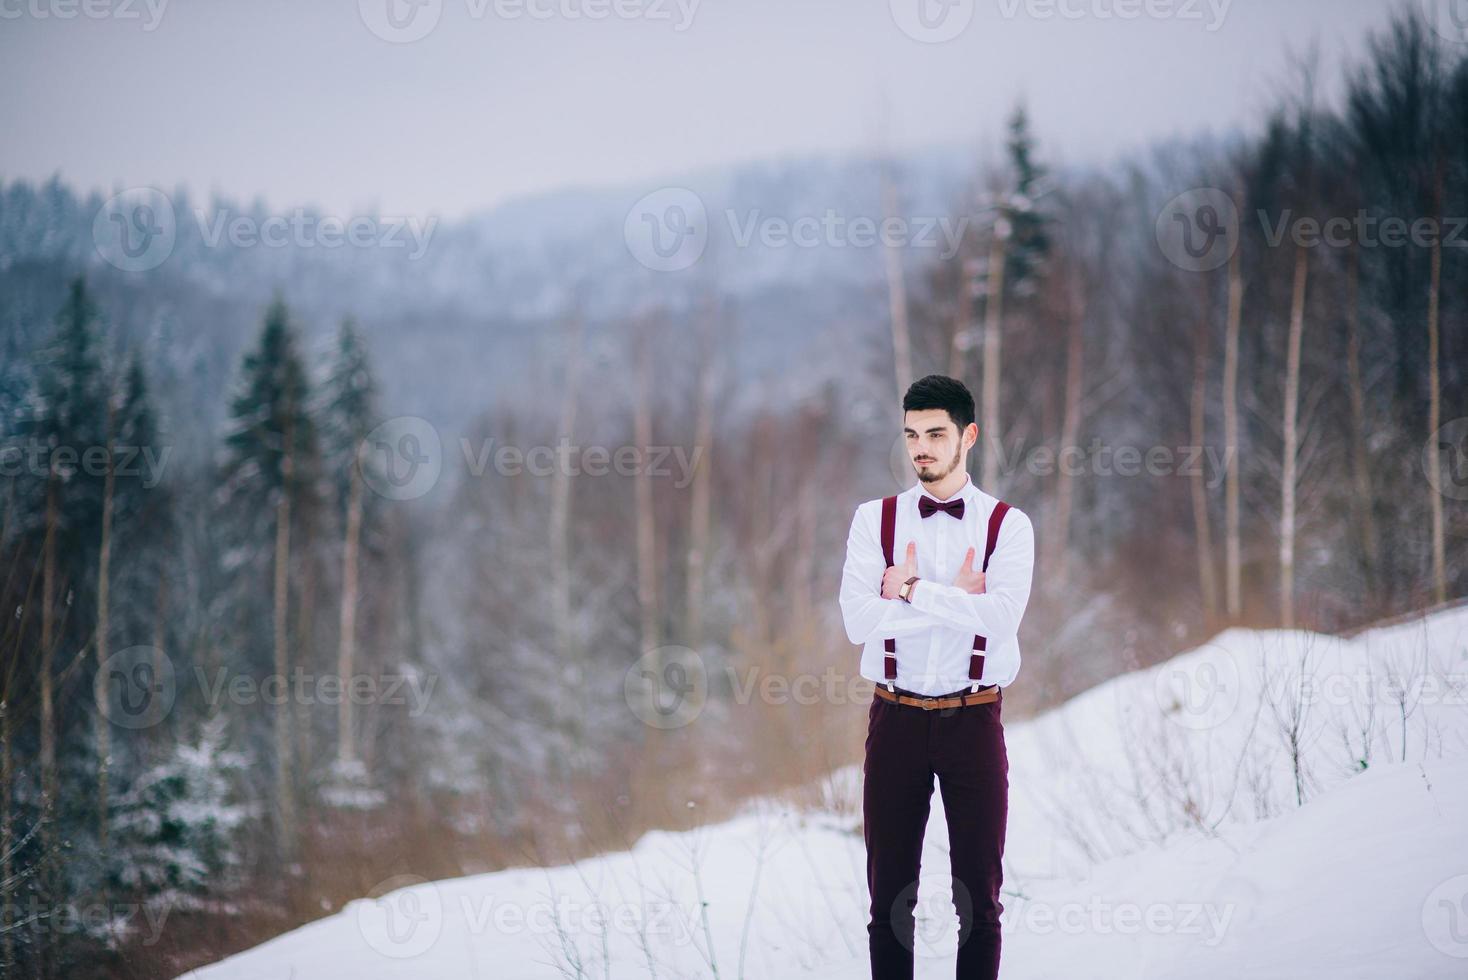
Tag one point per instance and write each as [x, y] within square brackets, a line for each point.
[905, 593]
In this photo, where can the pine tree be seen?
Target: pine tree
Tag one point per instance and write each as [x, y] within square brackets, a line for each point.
[65, 428]
[1029, 236]
[269, 473]
[175, 829]
[348, 416]
[1017, 248]
[134, 513]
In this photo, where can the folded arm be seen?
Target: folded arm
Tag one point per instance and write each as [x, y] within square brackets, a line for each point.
[866, 614]
[996, 612]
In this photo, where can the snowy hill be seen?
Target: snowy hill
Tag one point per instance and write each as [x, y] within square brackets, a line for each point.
[1205, 818]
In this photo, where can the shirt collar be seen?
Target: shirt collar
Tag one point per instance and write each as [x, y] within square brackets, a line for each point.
[967, 491]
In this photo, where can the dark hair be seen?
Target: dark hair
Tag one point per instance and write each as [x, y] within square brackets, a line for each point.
[941, 391]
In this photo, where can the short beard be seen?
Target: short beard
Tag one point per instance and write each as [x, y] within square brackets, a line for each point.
[939, 477]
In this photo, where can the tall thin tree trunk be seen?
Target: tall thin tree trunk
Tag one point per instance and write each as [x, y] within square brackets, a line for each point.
[347, 643]
[48, 707]
[963, 319]
[896, 292]
[1360, 460]
[7, 781]
[1070, 426]
[13, 634]
[700, 507]
[647, 591]
[1232, 559]
[1291, 441]
[1202, 526]
[303, 650]
[7, 824]
[99, 689]
[560, 502]
[993, 322]
[285, 797]
[160, 637]
[48, 643]
[1434, 409]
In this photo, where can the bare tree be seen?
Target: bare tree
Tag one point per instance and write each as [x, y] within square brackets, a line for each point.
[104, 562]
[1360, 460]
[1434, 405]
[1289, 457]
[896, 287]
[1233, 574]
[560, 502]
[647, 583]
[701, 492]
[1202, 526]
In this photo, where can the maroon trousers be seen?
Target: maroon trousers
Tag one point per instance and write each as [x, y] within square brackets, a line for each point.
[905, 748]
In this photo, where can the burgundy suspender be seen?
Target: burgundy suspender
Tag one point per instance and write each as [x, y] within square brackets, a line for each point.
[889, 536]
[976, 659]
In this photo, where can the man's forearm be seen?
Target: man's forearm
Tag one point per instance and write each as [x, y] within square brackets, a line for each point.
[990, 614]
[869, 617]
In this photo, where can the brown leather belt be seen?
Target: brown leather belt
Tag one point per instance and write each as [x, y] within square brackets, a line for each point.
[984, 695]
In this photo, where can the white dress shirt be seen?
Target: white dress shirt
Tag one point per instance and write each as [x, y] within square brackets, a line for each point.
[935, 631]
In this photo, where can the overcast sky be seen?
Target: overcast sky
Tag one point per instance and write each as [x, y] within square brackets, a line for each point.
[333, 103]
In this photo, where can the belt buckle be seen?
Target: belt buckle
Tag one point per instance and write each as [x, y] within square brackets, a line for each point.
[929, 701]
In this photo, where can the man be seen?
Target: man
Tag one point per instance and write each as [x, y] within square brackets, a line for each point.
[939, 637]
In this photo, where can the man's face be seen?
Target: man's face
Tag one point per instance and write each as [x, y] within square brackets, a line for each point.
[934, 443]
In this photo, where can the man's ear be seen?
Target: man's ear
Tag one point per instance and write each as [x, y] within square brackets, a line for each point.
[970, 435]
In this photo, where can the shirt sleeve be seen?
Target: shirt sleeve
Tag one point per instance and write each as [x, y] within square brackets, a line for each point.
[996, 612]
[866, 614]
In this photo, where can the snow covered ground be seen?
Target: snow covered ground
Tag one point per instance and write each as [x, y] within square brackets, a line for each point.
[1271, 804]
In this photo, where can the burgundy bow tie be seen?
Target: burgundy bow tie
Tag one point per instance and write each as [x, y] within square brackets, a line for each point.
[927, 506]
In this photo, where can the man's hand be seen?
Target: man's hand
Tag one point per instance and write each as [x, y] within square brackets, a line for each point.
[894, 577]
[967, 579]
